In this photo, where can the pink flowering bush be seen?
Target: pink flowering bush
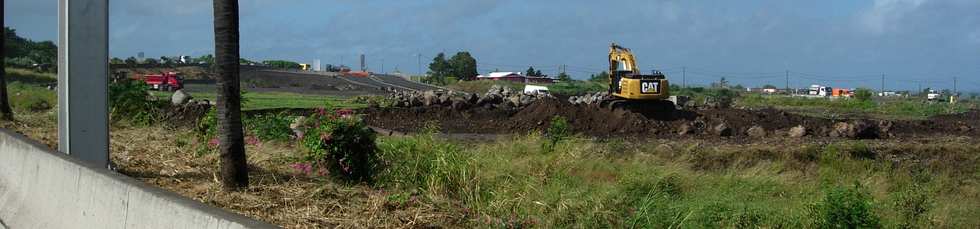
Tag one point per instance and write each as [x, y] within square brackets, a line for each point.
[340, 142]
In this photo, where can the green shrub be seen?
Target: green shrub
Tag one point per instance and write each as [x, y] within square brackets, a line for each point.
[270, 127]
[863, 94]
[558, 131]
[846, 207]
[342, 143]
[439, 168]
[723, 97]
[207, 131]
[129, 100]
[913, 204]
[373, 101]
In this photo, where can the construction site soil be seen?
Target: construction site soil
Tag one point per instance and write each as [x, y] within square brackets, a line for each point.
[698, 123]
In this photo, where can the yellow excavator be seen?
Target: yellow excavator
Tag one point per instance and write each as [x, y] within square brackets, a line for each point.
[632, 89]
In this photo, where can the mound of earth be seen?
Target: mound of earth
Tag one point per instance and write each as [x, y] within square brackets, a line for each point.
[708, 123]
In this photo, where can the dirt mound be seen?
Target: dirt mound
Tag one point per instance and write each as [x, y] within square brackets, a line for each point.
[415, 119]
[583, 119]
[185, 115]
[708, 123]
[967, 123]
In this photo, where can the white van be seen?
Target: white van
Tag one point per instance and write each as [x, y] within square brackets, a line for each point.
[532, 89]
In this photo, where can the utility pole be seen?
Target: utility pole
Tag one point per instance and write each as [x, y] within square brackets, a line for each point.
[954, 86]
[882, 84]
[420, 63]
[787, 80]
[383, 66]
[684, 76]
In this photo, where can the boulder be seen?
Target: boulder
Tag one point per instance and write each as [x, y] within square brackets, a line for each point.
[445, 99]
[756, 132]
[842, 130]
[723, 130]
[797, 132]
[506, 92]
[414, 100]
[684, 129]
[964, 127]
[297, 126]
[514, 100]
[855, 130]
[527, 100]
[494, 90]
[472, 98]
[429, 98]
[180, 97]
[459, 105]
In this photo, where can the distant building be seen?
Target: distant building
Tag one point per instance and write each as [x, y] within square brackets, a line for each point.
[514, 77]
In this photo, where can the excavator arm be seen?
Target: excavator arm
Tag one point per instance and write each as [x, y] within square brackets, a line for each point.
[622, 60]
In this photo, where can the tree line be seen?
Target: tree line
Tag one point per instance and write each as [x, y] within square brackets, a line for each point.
[25, 53]
[442, 71]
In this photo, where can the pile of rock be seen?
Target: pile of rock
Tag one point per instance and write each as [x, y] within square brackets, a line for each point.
[182, 98]
[860, 129]
[496, 97]
[593, 98]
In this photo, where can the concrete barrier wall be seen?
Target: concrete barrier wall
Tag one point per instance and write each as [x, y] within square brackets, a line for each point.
[41, 188]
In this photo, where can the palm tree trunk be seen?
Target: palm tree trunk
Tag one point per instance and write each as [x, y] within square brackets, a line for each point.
[234, 167]
[5, 112]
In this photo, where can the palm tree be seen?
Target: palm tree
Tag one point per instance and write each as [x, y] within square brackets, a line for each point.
[234, 168]
[5, 111]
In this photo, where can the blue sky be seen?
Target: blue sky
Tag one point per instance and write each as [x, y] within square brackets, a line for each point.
[841, 43]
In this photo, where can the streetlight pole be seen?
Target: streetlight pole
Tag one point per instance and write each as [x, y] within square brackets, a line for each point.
[83, 80]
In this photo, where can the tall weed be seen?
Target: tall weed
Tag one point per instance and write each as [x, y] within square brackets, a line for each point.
[846, 207]
[129, 100]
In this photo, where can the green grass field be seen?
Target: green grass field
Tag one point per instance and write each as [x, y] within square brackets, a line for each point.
[898, 108]
[582, 183]
[26, 93]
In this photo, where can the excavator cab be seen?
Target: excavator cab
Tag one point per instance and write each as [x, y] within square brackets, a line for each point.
[627, 82]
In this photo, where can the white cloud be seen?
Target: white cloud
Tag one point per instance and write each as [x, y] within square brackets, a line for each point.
[886, 15]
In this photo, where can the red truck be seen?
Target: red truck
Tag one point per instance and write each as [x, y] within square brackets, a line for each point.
[168, 81]
[349, 73]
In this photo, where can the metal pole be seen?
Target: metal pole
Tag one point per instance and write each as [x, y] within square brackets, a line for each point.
[684, 78]
[882, 84]
[83, 73]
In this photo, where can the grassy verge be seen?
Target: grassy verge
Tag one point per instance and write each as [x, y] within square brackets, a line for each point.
[588, 184]
[524, 181]
[268, 100]
[29, 76]
[888, 109]
[25, 92]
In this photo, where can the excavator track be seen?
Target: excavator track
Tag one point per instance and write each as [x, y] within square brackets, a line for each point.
[637, 105]
[649, 108]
